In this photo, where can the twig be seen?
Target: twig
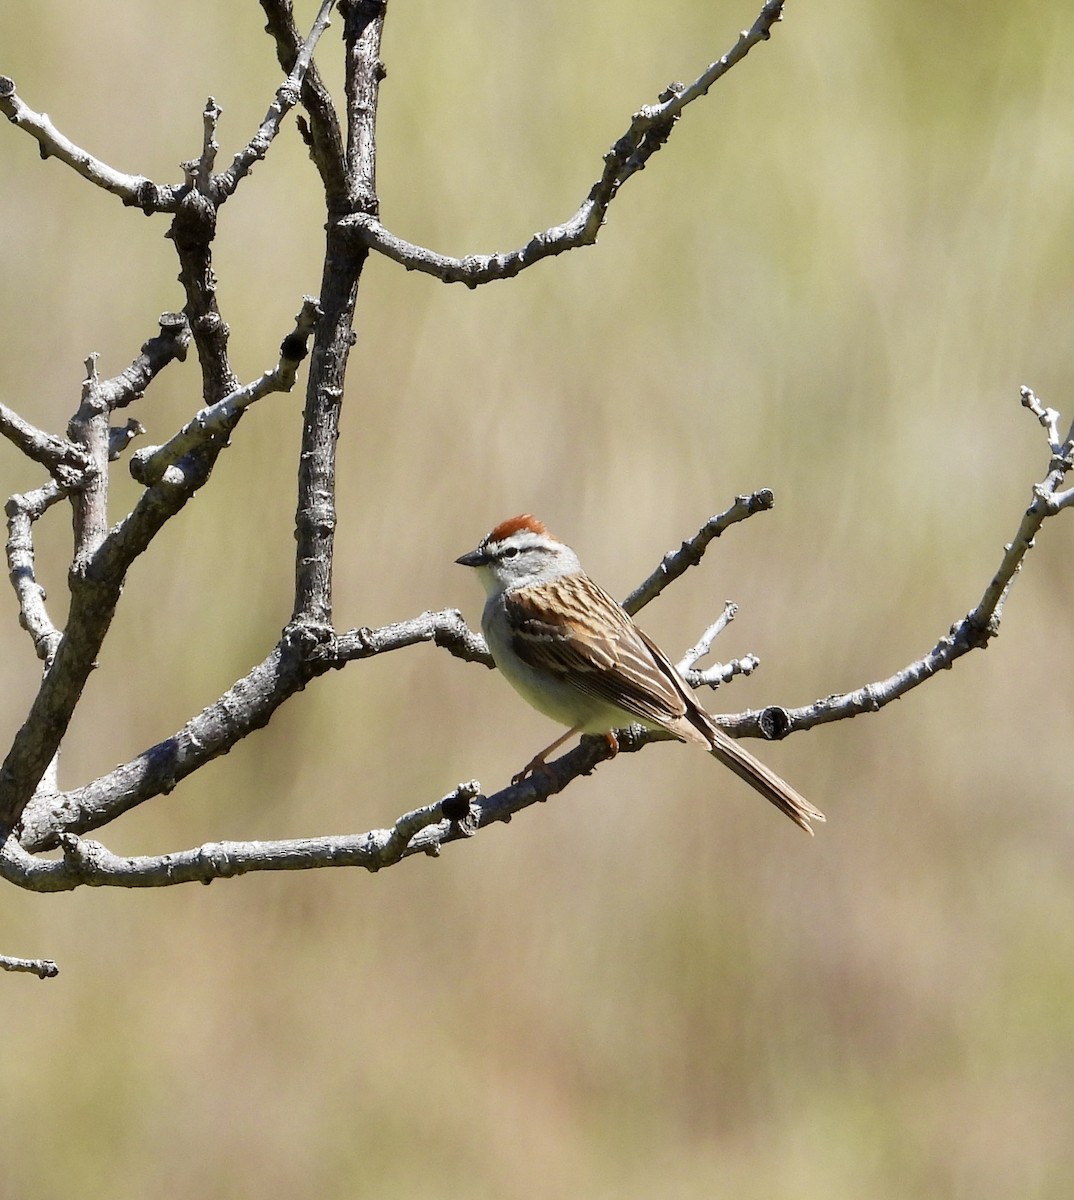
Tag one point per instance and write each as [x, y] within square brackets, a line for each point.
[721, 673]
[649, 129]
[148, 465]
[704, 643]
[973, 632]
[287, 96]
[323, 134]
[1048, 417]
[168, 346]
[135, 191]
[690, 553]
[43, 968]
[23, 509]
[121, 436]
[64, 461]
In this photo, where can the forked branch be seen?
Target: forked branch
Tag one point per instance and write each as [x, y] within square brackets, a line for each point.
[649, 129]
[172, 474]
[137, 191]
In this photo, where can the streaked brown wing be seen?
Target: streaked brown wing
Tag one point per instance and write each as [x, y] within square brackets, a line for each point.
[612, 661]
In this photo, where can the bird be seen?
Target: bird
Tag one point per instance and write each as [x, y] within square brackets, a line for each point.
[576, 655]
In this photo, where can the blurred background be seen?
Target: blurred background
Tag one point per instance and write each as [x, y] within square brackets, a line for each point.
[832, 283]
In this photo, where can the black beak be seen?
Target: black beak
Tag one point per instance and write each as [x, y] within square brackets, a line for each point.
[476, 558]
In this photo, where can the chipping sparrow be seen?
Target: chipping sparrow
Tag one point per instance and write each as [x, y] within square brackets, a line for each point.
[575, 654]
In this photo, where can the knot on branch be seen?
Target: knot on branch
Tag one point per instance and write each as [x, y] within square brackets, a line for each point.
[148, 197]
[975, 634]
[194, 225]
[775, 723]
[311, 642]
[82, 857]
[459, 809]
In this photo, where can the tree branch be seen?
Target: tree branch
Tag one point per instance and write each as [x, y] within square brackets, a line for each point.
[690, 553]
[287, 96]
[148, 466]
[649, 129]
[323, 135]
[973, 632]
[135, 191]
[64, 461]
[51, 821]
[97, 576]
[88, 862]
[23, 509]
[315, 519]
[248, 704]
[43, 968]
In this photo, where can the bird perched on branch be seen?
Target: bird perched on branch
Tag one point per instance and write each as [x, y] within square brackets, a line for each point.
[576, 655]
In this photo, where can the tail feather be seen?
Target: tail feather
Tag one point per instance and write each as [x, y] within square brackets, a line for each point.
[764, 780]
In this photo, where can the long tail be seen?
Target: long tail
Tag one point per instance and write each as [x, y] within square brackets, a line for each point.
[764, 780]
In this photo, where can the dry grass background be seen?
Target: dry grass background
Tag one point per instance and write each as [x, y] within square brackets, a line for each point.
[831, 282]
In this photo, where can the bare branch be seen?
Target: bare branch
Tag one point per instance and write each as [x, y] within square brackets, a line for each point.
[287, 96]
[43, 968]
[323, 135]
[88, 862]
[202, 169]
[445, 628]
[89, 429]
[168, 346]
[64, 461]
[461, 814]
[690, 553]
[247, 705]
[216, 421]
[315, 520]
[649, 129]
[721, 673]
[973, 632]
[134, 190]
[364, 26]
[252, 700]
[704, 643]
[121, 436]
[1048, 417]
[22, 511]
[96, 581]
[48, 818]
[1061, 500]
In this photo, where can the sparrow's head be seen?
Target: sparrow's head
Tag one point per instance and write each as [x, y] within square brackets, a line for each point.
[520, 553]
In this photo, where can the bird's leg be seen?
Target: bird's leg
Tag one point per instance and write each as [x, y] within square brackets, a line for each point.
[538, 763]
